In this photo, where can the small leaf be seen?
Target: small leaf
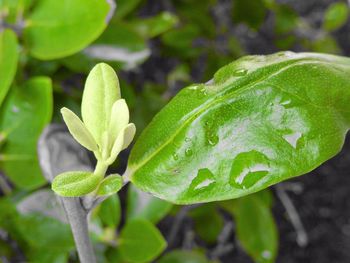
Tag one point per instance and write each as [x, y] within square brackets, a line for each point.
[256, 229]
[78, 130]
[110, 185]
[129, 133]
[123, 140]
[72, 184]
[8, 60]
[336, 16]
[140, 241]
[58, 29]
[110, 211]
[183, 256]
[100, 92]
[119, 118]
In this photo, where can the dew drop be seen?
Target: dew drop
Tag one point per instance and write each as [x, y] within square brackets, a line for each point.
[175, 156]
[187, 139]
[248, 168]
[188, 152]
[203, 91]
[240, 72]
[204, 179]
[292, 139]
[213, 139]
[266, 254]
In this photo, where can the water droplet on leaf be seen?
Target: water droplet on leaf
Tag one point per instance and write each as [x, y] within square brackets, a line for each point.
[188, 152]
[248, 168]
[213, 139]
[175, 156]
[204, 179]
[240, 72]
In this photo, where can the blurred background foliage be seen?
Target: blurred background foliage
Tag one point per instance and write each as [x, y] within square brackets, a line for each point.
[47, 47]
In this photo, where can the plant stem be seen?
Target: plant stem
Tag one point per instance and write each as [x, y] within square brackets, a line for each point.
[78, 220]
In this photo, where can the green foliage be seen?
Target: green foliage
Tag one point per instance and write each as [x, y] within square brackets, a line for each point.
[242, 12]
[183, 256]
[140, 241]
[110, 212]
[145, 206]
[256, 229]
[25, 112]
[8, 60]
[56, 29]
[183, 156]
[76, 183]
[110, 185]
[336, 16]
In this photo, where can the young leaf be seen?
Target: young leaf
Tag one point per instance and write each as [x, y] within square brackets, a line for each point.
[8, 60]
[140, 241]
[119, 118]
[123, 140]
[72, 184]
[110, 185]
[57, 29]
[25, 112]
[100, 92]
[256, 229]
[78, 130]
[110, 211]
[262, 120]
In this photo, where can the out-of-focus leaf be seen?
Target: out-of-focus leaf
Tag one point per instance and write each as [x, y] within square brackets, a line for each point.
[72, 184]
[110, 185]
[13, 9]
[325, 44]
[140, 241]
[145, 206]
[241, 132]
[24, 114]
[250, 12]
[125, 7]
[156, 25]
[256, 229]
[183, 256]
[8, 60]
[110, 211]
[336, 16]
[57, 29]
[208, 223]
[286, 19]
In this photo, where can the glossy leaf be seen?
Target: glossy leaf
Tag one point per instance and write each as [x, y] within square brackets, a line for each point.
[56, 29]
[146, 206]
[8, 60]
[100, 92]
[78, 130]
[255, 228]
[71, 184]
[25, 112]
[110, 185]
[140, 241]
[336, 16]
[262, 120]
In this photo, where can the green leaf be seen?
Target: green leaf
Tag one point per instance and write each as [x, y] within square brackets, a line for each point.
[208, 223]
[8, 60]
[57, 29]
[183, 256]
[77, 183]
[256, 229]
[110, 185]
[119, 118]
[125, 7]
[140, 241]
[262, 120]
[78, 130]
[100, 92]
[336, 16]
[156, 25]
[110, 211]
[25, 112]
[145, 206]
[251, 12]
